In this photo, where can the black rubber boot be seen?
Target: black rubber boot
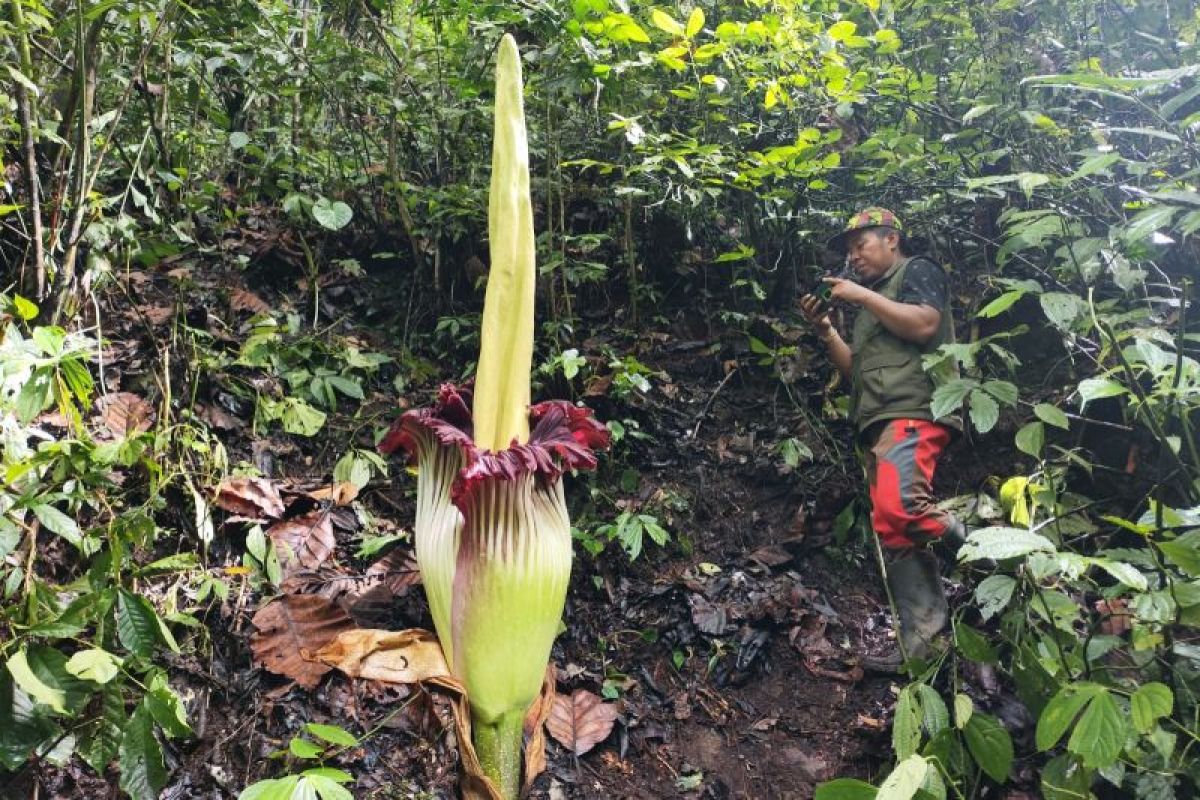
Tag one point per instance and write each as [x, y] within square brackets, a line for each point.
[950, 543]
[916, 586]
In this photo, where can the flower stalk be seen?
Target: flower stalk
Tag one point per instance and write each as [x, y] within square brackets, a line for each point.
[492, 534]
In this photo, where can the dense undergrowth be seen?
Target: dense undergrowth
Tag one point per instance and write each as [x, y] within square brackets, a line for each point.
[685, 156]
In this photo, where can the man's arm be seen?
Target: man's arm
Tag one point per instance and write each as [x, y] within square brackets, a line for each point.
[911, 322]
[817, 313]
[839, 351]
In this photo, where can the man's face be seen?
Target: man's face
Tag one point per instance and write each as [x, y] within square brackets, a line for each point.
[872, 251]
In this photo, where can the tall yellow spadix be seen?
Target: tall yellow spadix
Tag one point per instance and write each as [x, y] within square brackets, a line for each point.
[501, 409]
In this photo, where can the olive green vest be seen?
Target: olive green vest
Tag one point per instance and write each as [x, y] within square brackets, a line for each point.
[887, 377]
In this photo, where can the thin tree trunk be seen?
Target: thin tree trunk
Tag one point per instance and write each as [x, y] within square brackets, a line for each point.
[28, 114]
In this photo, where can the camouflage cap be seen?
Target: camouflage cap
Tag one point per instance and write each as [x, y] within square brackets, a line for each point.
[873, 217]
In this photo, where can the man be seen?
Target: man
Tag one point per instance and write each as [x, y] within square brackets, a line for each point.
[903, 314]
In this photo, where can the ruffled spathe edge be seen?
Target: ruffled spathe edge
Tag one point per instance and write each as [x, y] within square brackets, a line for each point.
[562, 437]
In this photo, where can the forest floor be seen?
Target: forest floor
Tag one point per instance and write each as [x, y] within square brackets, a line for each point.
[731, 652]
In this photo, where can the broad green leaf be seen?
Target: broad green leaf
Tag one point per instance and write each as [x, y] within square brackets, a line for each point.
[180, 562]
[1150, 703]
[50, 339]
[166, 707]
[948, 398]
[1096, 163]
[622, 29]
[990, 745]
[1097, 388]
[300, 418]
[1062, 308]
[25, 309]
[841, 31]
[1100, 733]
[101, 739]
[23, 725]
[275, 789]
[973, 645]
[1004, 391]
[906, 724]
[985, 412]
[1180, 100]
[333, 215]
[665, 22]
[999, 543]
[993, 594]
[977, 111]
[695, 22]
[1125, 573]
[1051, 415]
[35, 395]
[904, 781]
[57, 521]
[30, 683]
[95, 665]
[137, 624]
[10, 537]
[23, 80]
[304, 749]
[934, 715]
[1028, 181]
[143, 773]
[964, 707]
[333, 774]
[331, 734]
[1148, 221]
[346, 386]
[1031, 438]
[1064, 778]
[1000, 304]
[78, 379]
[1184, 552]
[328, 789]
[845, 789]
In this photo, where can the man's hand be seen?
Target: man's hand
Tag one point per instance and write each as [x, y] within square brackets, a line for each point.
[847, 291]
[816, 313]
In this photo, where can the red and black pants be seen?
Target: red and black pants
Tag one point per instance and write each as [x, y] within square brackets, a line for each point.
[900, 466]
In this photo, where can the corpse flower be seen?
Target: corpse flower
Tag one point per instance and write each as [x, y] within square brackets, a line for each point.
[492, 534]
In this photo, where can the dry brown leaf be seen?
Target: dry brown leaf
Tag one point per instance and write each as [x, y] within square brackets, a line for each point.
[398, 570]
[1115, 618]
[474, 784]
[157, 315]
[405, 657]
[371, 608]
[250, 498]
[291, 628]
[581, 721]
[124, 413]
[414, 655]
[243, 300]
[771, 555]
[342, 493]
[535, 730]
[408, 656]
[305, 541]
[220, 419]
[853, 675]
[330, 582]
